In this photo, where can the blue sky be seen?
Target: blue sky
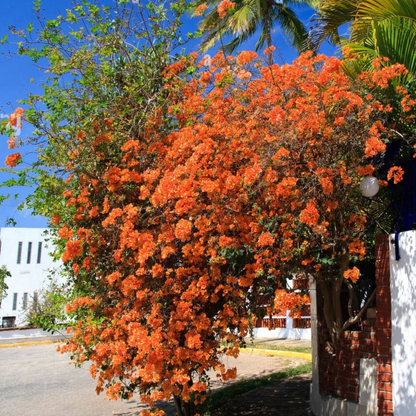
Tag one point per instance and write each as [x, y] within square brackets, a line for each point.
[15, 75]
[15, 84]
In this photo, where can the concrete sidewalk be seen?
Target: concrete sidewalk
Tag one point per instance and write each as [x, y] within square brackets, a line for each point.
[278, 347]
[284, 342]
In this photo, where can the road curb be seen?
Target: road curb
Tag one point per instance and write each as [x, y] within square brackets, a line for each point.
[24, 344]
[277, 353]
[253, 351]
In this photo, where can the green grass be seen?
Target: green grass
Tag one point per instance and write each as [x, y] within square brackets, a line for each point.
[265, 346]
[218, 398]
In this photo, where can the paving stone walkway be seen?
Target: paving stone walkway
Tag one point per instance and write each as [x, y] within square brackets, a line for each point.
[288, 397]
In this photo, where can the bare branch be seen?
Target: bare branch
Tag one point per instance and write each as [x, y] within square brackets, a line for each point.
[355, 319]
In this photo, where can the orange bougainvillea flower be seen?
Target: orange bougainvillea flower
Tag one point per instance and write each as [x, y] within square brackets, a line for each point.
[246, 57]
[269, 49]
[15, 119]
[223, 7]
[396, 173]
[265, 239]
[56, 219]
[13, 143]
[73, 249]
[225, 241]
[374, 146]
[352, 274]
[183, 230]
[327, 185]
[367, 170]
[357, 246]
[200, 10]
[310, 214]
[13, 160]
[65, 232]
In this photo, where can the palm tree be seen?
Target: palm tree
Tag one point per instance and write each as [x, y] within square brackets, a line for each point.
[248, 17]
[379, 28]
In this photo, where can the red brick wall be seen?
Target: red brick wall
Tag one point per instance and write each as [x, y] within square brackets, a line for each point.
[301, 323]
[274, 323]
[339, 372]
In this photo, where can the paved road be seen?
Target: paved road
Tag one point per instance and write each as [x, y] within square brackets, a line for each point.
[35, 380]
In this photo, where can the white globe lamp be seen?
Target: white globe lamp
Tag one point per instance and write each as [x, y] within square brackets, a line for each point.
[369, 186]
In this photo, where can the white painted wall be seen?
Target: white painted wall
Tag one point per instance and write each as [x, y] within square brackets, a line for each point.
[284, 333]
[24, 333]
[314, 396]
[403, 320]
[289, 332]
[26, 277]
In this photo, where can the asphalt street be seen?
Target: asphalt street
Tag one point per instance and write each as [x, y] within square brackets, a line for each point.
[35, 380]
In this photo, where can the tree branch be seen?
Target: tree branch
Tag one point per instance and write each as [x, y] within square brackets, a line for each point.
[351, 296]
[355, 319]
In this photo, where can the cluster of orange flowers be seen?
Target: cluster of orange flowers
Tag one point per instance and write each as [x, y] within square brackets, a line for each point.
[15, 120]
[396, 173]
[224, 6]
[200, 10]
[13, 160]
[352, 274]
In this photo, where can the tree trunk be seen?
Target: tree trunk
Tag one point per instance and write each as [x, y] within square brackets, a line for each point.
[268, 30]
[178, 405]
[331, 292]
[184, 408]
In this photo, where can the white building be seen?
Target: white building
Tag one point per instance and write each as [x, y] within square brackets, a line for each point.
[25, 253]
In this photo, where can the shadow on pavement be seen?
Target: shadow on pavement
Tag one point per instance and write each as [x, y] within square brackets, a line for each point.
[288, 397]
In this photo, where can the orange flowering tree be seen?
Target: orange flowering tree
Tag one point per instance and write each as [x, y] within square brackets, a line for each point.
[177, 232]
[187, 196]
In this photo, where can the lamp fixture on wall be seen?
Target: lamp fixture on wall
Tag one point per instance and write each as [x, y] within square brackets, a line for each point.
[369, 186]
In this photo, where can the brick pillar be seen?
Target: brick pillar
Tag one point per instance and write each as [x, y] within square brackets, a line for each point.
[383, 328]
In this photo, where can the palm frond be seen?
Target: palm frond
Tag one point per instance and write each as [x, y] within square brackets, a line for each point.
[311, 3]
[354, 67]
[332, 14]
[241, 25]
[293, 29]
[386, 9]
[393, 38]
[242, 19]
[396, 38]
[241, 38]
[248, 16]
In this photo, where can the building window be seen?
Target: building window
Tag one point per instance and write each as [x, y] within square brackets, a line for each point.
[29, 252]
[8, 322]
[14, 301]
[24, 300]
[19, 252]
[39, 251]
